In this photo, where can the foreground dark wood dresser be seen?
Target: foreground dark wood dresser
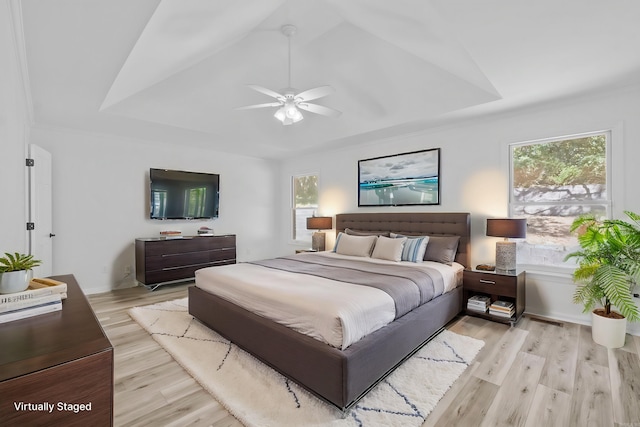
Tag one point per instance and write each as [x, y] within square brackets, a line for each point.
[160, 260]
[62, 359]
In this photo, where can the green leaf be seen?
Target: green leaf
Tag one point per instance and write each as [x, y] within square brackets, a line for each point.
[608, 263]
[17, 262]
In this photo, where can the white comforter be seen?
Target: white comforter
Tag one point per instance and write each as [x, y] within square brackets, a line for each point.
[310, 306]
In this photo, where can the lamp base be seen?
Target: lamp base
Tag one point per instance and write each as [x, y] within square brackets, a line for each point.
[505, 256]
[318, 241]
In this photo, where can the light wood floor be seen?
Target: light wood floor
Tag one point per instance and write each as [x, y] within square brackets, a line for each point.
[535, 374]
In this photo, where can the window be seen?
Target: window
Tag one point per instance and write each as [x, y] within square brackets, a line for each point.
[196, 202]
[305, 204]
[552, 182]
[159, 202]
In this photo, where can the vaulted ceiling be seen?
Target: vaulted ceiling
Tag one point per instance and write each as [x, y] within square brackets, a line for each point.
[174, 71]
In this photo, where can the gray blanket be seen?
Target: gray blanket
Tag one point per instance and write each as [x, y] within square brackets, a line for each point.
[409, 287]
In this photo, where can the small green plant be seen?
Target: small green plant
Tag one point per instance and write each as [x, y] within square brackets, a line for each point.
[17, 262]
[608, 263]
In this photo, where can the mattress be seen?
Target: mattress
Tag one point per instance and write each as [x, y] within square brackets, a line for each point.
[332, 311]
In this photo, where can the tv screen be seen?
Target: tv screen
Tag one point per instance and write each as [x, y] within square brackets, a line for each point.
[183, 195]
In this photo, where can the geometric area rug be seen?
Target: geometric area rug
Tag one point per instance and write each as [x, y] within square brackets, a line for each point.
[259, 396]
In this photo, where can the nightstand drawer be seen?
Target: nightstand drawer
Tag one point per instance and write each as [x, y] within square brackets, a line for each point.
[488, 283]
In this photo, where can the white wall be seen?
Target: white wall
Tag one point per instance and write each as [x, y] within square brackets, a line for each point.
[474, 172]
[13, 125]
[100, 202]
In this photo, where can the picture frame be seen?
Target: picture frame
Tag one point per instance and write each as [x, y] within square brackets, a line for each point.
[404, 179]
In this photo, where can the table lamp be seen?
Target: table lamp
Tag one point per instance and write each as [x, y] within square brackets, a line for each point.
[506, 250]
[319, 223]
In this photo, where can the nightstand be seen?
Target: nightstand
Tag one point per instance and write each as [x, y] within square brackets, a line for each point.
[497, 286]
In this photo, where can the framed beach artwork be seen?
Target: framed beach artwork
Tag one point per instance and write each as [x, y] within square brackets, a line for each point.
[400, 180]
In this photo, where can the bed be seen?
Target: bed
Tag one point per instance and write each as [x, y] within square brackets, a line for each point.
[341, 376]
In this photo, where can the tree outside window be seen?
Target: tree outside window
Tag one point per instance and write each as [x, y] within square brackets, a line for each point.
[552, 183]
[305, 204]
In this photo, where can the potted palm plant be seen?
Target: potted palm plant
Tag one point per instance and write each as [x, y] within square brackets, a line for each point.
[15, 272]
[608, 268]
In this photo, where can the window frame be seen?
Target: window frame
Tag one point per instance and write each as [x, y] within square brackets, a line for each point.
[293, 230]
[610, 160]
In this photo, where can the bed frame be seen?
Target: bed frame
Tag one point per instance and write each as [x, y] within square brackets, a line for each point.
[342, 377]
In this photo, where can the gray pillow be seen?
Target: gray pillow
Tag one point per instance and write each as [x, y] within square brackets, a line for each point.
[366, 233]
[442, 249]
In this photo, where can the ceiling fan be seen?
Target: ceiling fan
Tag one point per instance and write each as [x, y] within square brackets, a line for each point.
[291, 102]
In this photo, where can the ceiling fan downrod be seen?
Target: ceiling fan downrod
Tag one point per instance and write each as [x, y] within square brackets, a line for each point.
[289, 31]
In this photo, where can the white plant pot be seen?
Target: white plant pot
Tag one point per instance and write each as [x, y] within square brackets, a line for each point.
[14, 281]
[608, 332]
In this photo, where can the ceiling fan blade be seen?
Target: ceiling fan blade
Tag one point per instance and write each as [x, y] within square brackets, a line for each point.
[315, 93]
[267, 92]
[319, 109]
[269, 104]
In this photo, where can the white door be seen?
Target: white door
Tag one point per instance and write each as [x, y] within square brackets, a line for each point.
[40, 210]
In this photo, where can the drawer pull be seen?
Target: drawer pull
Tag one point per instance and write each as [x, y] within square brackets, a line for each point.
[489, 282]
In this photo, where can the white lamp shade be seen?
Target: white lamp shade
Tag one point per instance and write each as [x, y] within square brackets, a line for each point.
[280, 115]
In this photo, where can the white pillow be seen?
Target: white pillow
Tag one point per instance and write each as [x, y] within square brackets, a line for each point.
[354, 245]
[414, 248]
[388, 248]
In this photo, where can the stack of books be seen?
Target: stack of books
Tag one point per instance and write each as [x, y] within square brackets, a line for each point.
[502, 309]
[205, 231]
[171, 234]
[42, 296]
[478, 303]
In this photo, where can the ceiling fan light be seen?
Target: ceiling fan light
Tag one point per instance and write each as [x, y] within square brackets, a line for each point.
[280, 114]
[288, 115]
[293, 113]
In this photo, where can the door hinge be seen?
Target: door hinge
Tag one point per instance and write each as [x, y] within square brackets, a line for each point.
[31, 226]
[30, 162]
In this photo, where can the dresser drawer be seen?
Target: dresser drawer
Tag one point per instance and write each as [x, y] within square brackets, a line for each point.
[189, 245]
[180, 273]
[159, 262]
[489, 283]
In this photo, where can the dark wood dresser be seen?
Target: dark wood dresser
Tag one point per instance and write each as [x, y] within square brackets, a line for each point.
[62, 359]
[160, 260]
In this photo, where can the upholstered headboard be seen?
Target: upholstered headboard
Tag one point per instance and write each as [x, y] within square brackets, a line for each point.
[414, 223]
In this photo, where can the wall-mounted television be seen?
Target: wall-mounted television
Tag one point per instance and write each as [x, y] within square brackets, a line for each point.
[183, 195]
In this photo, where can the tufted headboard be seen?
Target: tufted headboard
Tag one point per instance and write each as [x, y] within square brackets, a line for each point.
[414, 223]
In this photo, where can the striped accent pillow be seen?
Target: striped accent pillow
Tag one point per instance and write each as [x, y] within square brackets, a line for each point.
[414, 248]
